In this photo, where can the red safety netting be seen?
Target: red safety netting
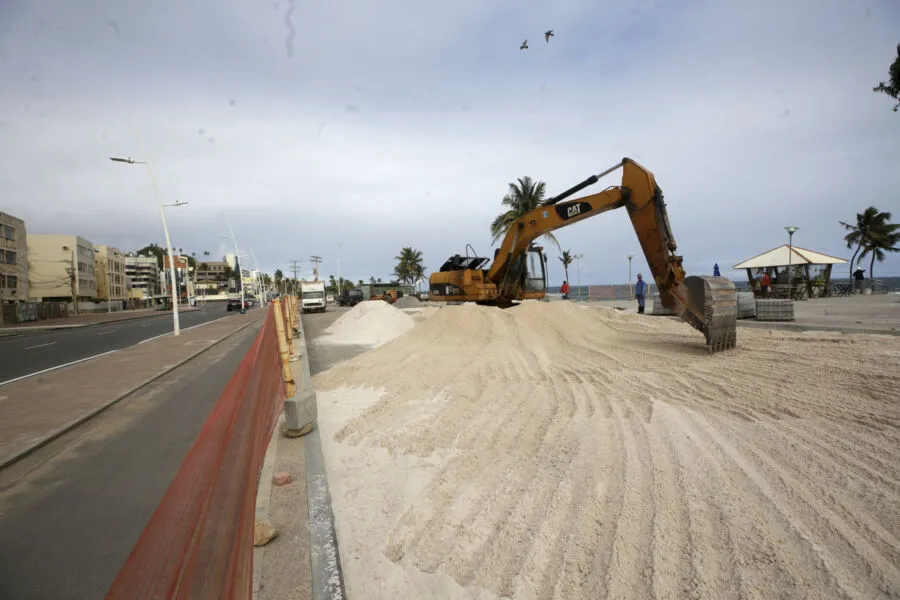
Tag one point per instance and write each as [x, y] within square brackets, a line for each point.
[199, 542]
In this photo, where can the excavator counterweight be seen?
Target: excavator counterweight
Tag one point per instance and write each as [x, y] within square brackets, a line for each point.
[518, 271]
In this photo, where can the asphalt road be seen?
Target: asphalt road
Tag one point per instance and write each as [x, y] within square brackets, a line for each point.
[35, 351]
[68, 526]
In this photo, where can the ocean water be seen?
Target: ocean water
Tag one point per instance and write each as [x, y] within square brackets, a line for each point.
[620, 291]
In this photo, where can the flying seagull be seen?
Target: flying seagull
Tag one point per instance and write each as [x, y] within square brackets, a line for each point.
[524, 45]
[548, 34]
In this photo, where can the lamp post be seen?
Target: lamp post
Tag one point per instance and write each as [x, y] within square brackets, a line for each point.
[162, 213]
[630, 289]
[237, 260]
[578, 258]
[790, 229]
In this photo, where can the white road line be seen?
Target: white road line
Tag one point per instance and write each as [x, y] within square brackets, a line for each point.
[146, 325]
[154, 338]
[68, 364]
[107, 332]
[40, 346]
[183, 329]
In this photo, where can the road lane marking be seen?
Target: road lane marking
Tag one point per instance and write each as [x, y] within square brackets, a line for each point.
[146, 325]
[40, 346]
[107, 332]
[68, 364]
[155, 337]
[183, 329]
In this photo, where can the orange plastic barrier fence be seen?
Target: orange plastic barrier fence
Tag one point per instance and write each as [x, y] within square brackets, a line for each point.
[199, 542]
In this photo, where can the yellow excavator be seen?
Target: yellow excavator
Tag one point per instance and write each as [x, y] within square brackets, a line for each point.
[518, 272]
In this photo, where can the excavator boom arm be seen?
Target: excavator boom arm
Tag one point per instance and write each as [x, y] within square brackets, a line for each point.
[707, 303]
[547, 218]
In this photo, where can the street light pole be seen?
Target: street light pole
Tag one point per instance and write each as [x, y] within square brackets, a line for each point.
[790, 229]
[176, 328]
[630, 289]
[578, 257]
[237, 259]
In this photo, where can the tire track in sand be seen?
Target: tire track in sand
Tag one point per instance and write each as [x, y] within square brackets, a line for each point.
[826, 521]
[630, 570]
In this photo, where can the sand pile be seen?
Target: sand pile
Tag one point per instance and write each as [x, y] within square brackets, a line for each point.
[560, 451]
[369, 323]
[408, 302]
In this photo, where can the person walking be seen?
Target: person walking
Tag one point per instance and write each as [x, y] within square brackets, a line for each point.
[564, 290]
[640, 292]
[764, 284]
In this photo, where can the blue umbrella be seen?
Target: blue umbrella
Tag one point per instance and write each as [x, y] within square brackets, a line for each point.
[716, 271]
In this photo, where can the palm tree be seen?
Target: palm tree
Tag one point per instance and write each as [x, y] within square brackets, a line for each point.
[868, 223]
[892, 89]
[410, 268]
[524, 196]
[566, 259]
[883, 239]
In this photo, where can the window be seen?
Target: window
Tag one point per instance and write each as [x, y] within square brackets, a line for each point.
[10, 257]
[12, 281]
[9, 232]
[535, 281]
[311, 295]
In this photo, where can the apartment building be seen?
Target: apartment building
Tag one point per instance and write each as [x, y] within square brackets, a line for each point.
[61, 267]
[13, 259]
[211, 277]
[109, 265]
[144, 274]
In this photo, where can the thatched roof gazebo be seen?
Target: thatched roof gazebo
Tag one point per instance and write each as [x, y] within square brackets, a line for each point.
[795, 272]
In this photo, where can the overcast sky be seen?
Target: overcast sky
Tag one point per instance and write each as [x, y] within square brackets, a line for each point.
[351, 128]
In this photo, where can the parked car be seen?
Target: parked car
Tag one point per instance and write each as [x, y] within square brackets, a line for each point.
[235, 304]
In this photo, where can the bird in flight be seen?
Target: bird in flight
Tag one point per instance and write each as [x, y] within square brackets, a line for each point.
[524, 45]
[548, 34]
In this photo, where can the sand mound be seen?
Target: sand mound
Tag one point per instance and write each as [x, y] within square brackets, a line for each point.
[408, 302]
[560, 451]
[369, 323]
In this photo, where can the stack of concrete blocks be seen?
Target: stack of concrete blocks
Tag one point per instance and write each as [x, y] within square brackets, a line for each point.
[658, 308]
[775, 310]
[746, 305]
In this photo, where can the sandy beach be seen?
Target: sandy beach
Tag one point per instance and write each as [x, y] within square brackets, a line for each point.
[559, 451]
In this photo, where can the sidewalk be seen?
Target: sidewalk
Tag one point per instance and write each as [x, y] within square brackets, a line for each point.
[39, 409]
[87, 319]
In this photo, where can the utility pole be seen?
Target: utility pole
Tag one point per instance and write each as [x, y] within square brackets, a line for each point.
[315, 261]
[295, 264]
[73, 279]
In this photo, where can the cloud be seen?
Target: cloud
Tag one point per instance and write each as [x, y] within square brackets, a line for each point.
[396, 123]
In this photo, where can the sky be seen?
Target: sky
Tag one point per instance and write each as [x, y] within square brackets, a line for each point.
[349, 129]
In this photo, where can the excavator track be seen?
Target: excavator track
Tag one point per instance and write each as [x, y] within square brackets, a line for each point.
[714, 303]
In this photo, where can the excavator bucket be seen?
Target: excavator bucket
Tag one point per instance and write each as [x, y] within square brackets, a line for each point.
[715, 300]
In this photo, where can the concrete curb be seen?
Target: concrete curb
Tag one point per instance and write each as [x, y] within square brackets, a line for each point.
[20, 328]
[6, 462]
[325, 558]
[795, 327]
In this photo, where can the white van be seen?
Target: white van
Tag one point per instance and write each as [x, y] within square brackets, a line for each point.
[312, 296]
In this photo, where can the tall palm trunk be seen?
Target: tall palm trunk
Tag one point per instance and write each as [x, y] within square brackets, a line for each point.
[566, 269]
[853, 259]
[872, 266]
